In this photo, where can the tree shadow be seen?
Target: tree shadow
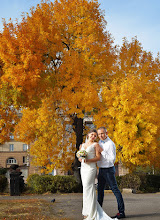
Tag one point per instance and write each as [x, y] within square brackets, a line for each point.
[143, 215]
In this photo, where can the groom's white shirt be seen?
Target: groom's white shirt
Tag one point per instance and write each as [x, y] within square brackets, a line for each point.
[108, 155]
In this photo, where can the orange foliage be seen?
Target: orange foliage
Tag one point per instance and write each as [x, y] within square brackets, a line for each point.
[54, 62]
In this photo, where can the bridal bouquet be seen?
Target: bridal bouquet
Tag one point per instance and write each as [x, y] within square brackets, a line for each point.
[81, 154]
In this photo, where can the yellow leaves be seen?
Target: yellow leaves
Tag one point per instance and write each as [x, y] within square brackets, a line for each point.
[51, 145]
[131, 110]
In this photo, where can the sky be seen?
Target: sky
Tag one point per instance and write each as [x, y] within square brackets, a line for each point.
[125, 18]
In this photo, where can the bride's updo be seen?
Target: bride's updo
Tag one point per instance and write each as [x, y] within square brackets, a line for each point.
[92, 130]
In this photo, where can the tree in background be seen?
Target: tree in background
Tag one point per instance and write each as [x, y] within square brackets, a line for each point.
[54, 63]
[59, 64]
[8, 115]
[131, 106]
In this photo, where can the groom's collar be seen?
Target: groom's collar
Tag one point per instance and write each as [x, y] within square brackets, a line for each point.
[104, 141]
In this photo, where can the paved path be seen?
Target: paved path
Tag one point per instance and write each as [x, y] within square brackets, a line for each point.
[138, 206]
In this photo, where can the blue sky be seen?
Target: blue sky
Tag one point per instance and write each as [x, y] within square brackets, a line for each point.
[125, 18]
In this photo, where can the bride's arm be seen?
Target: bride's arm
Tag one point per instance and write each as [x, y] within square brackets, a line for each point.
[97, 157]
[80, 146]
[80, 160]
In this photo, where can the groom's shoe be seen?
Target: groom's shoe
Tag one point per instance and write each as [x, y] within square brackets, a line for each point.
[119, 215]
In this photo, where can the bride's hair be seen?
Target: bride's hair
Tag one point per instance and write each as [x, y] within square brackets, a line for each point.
[92, 130]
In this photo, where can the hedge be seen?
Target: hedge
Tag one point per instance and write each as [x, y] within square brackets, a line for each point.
[3, 171]
[131, 181]
[49, 183]
[3, 183]
[150, 183]
[138, 182]
[68, 184]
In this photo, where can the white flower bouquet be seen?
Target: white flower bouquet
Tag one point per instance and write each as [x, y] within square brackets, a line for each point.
[81, 154]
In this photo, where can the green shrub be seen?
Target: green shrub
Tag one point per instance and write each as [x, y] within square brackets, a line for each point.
[39, 184]
[150, 183]
[48, 183]
[118, 179]
[32, 181]
[154, 181]
[3, 171]
[141, 182]
[131, 181]
[3, 183]
[65, 184]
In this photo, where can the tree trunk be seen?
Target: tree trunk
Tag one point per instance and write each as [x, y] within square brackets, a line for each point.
[78, 129]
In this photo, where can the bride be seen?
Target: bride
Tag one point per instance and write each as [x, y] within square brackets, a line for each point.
[91, 208]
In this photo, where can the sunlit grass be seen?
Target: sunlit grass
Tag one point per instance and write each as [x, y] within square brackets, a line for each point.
[32, 209]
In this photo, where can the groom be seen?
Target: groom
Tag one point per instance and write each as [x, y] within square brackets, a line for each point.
[107, 170]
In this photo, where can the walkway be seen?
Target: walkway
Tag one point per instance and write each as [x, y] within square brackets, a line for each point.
[138, 206]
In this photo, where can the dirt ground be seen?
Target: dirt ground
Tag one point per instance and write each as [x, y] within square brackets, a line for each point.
[69, 206]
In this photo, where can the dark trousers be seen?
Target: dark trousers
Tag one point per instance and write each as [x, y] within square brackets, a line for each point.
[107, 175]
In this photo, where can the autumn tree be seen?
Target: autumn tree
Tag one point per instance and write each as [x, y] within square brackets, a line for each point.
[54, 63]
[130, 106]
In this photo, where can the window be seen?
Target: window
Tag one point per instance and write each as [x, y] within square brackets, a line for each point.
[25, 147]
[11, 147]
[25, 159]
[11, 161]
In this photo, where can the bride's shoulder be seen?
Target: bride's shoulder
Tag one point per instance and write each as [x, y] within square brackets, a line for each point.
[82, 145]
[96, 144]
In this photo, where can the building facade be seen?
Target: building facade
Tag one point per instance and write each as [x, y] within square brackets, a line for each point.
[14, 152]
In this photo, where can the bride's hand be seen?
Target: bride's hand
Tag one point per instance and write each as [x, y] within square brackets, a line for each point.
[84, 160]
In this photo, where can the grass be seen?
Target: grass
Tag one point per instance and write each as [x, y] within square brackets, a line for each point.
[30, 209]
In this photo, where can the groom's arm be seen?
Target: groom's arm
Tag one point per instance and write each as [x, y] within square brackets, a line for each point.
[109, 152]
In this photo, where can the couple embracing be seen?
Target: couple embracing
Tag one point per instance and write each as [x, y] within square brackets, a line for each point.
[102, 154]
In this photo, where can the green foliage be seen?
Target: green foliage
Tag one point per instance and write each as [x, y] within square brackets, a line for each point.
[48, 183]
[3, 171]
[65, 184]
[118, 179]
[33, 183]
[139, 182]
[3, 183]
[150, 183]
[131, 181]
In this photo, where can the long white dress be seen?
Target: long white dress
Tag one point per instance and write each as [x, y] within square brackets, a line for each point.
[91, 207]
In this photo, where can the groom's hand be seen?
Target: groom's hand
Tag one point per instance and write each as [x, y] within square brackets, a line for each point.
[100, 149]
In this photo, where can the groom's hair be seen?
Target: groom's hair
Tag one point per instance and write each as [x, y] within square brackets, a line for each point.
[102, 128]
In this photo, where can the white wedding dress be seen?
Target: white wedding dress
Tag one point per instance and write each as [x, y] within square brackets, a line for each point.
[91, 207]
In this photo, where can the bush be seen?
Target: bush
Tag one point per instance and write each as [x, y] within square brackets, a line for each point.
[65, 184]
[3, 171]
[140, 182]
[118, 179]
[33, 183]
[48, 183]
[3, 183]
[131, 181]
[150, 183]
